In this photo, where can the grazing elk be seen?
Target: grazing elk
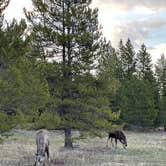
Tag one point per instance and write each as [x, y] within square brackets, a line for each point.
[42, 148]
[117, 135]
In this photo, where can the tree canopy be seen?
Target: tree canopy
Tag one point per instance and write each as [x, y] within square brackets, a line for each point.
[64, 74]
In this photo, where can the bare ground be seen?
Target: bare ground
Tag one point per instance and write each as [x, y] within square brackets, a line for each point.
[144, 149]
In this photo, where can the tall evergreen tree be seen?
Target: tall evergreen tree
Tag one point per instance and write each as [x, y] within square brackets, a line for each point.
[145, 73]
[22, 89]
[127, 58]
[110, 72]
[109, 61]
[137, 103]
[138, 96]
[160, 71]
[144, 64]
[68, 31]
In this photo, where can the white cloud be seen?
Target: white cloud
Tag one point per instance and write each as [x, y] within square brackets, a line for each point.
[118, 23]
[142, 10]
[15, 9]
[157, 51]
[131, 4]
[137, 31]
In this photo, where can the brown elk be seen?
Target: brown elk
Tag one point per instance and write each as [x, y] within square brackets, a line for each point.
[42, 143]
[117, 135]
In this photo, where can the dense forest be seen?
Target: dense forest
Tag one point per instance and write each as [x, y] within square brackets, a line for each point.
[58, 71]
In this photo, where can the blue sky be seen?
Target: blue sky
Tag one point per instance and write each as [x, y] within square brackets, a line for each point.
[143, 21]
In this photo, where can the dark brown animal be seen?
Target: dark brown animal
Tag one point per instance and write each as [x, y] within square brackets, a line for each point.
[42, 143]
[117, 135]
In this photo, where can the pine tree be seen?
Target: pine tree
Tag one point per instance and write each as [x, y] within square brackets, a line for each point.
[110, 72]
[68, 31]
[127, 58]
[138, 94]
[144, 64]
[160, 71]
[137, 103]
[22, 89]
[145, 73]
[109, 61]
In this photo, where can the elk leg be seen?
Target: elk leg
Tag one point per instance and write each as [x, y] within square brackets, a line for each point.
[107, 142]
[112, 142]
[116, 142]
[48, 155]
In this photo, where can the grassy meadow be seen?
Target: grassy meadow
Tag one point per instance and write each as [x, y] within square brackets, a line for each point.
[144, 149]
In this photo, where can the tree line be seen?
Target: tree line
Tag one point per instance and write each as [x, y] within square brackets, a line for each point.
[58, 71]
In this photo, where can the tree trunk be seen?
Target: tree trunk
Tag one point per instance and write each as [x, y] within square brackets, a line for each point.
[68, 138]
[164, 127]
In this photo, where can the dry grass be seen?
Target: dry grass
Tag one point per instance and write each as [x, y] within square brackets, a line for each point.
[144, 149]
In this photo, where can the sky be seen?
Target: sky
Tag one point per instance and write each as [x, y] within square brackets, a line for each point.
[143, 21]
